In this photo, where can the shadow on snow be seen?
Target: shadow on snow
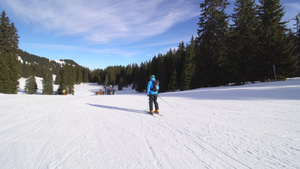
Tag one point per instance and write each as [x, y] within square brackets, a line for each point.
[118, 108]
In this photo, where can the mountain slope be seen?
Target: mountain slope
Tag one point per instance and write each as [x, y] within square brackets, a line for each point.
[250, 126]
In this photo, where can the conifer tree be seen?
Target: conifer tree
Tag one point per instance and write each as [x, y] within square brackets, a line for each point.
[25, 70]
[163, 75]
[31, 85]
[242, 43]
[99, 79]
[129, 75]
[106, 81]
[172, 84]
[297, 42]
[112, 77]
[142, 78]
[9, 40]
[58, 78]
[79, 76]
[213, 26]
[180, 58]
[189, 67]
[4, 77]
[154, 66]
[85, 75]
[67, 81]
[275, 49]
[121, 83]
[135, 75]
[47, 80]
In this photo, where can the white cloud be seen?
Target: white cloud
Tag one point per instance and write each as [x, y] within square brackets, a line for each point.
[291, 10]
[103, 52]
[293, 5]
[101, 21]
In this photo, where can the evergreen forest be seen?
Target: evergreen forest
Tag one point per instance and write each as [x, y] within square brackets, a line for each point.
[252, 44]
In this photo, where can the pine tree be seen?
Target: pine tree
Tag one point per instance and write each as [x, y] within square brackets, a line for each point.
[85, 75]
[112, 77]
[297, 42]
[135, 75]
[189, 67]
[58, 78]
[120, 85]
[275, 49]
[172, 84]
[99, 81]
[9, 40]
[242, 43]
[142, 78]
[213, 26]
[67, 80]
[25, 70]
[4, 77]
[170, 64]
[129, 75]
[47, 80]
[163, 73]
[31, 85]
[180, 58]
[154, 66]
[106, 81]
[79, 76]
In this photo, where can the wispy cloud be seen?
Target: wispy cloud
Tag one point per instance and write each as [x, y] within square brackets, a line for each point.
[103, 52]
[293, 5]
[291, 10]
[101, 21]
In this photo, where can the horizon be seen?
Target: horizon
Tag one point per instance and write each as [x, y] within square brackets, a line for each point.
[110, 33]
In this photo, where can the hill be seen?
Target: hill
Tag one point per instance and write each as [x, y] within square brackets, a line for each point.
[40, 62]
[250, 126]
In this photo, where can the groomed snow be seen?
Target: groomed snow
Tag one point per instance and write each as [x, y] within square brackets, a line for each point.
[249, 126]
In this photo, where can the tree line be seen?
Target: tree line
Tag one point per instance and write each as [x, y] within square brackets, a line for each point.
[252, 44]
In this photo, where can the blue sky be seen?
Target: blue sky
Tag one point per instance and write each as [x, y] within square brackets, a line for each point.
[101, 33]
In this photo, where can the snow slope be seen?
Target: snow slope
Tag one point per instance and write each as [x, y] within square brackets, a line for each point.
[250, 126]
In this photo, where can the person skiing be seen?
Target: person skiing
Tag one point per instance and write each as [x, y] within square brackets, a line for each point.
[152, 90]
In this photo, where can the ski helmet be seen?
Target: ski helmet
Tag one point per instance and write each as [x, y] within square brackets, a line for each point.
[152, 76]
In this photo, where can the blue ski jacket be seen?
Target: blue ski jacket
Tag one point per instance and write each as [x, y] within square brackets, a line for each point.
[150, 86]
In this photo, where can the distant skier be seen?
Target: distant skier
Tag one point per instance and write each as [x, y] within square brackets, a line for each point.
[152, 90]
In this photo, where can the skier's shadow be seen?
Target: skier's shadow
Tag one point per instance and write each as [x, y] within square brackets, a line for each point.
[117, 108]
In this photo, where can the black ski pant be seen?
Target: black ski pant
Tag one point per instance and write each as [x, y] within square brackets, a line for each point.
[153, 98]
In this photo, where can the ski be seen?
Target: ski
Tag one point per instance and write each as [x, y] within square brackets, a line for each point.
[153, 113]
[159, 114]
[149, 113]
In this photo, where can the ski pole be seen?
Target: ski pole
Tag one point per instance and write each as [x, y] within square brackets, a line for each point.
[147, 106]
[165, 101]
[148, 103]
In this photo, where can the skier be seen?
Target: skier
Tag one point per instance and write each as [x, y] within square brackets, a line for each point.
[152, 90]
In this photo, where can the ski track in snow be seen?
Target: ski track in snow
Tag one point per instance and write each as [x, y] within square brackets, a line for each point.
[250, 126]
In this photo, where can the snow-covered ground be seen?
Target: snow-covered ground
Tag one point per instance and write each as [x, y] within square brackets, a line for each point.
[249, 126]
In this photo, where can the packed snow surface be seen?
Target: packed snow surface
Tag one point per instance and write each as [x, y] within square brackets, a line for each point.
[249, 126]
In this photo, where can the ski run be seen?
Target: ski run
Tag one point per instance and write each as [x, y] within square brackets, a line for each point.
[249, 126]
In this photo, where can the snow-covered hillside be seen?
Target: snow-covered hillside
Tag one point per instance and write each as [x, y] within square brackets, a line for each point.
[250, 126]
